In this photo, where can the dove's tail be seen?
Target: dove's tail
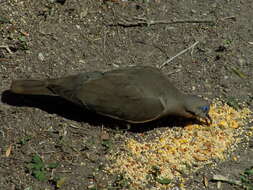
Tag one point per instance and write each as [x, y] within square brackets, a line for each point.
[33, 87]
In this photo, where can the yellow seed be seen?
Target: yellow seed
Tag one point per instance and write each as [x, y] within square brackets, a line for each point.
[234, 124]
[223, 123]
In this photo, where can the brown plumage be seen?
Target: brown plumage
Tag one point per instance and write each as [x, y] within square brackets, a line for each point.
[134, 94]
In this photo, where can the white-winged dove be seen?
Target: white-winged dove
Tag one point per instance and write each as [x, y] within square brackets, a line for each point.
[135, 94]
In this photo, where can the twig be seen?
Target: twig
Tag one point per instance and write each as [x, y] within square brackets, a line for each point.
[225, 179]
[104, 42]
[153, 22]
[7, 48]
[4, 60]
[3, 134]
[73, 126]
[180, 53]
[173, 72]
[229, 17]
[118, 32]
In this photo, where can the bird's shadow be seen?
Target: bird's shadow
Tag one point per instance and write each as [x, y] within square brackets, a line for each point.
[66, 109]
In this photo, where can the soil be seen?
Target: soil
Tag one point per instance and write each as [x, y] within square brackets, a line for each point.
[50, 38]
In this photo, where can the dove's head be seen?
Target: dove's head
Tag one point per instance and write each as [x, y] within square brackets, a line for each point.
[197, 107]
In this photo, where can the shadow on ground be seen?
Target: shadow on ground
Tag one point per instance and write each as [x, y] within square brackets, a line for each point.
[68, 110]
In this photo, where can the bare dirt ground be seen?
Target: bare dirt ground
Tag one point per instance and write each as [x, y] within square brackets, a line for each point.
[47, 39]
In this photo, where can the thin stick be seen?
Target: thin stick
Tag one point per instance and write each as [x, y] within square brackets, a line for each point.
[180, 53]
[173, 72]
[229, 17]
[73, 126]
[7, 48]
[222, 178]
[153, 22]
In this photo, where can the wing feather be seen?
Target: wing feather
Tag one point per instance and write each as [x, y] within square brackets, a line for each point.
[116, 95]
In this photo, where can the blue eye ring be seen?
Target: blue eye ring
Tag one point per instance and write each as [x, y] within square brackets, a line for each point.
[205, 108]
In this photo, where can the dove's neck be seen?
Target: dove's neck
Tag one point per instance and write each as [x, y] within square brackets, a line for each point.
[174, 105]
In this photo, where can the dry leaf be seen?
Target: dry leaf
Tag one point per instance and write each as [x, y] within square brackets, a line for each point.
[205, 181]
[8, 151]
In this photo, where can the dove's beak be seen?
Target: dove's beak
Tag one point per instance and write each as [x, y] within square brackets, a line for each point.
[208, 119]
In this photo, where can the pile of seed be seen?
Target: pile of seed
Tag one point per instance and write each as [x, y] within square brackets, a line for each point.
[177, 152]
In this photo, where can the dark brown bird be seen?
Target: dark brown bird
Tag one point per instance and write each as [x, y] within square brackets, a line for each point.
[135, 94]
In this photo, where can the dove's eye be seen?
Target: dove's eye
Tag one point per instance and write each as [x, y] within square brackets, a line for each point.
[205, 108]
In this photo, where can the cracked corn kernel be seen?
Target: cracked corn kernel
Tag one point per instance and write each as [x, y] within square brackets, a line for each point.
[223, 123]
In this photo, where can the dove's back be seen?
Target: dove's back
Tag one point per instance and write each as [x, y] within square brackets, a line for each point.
[135, 94]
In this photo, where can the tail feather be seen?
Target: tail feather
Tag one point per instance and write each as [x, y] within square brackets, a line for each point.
[33, 87]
